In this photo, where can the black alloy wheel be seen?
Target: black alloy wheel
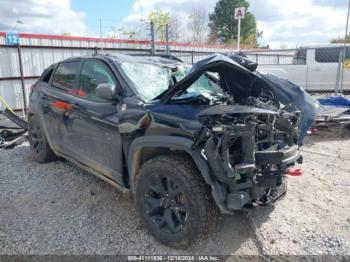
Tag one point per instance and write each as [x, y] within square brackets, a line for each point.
[173, 201]
[165, 204]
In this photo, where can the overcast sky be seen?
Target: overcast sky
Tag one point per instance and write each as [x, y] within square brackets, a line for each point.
[284, 22]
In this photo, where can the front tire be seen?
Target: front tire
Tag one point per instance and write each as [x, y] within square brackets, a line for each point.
[39, 146]
[173, 201]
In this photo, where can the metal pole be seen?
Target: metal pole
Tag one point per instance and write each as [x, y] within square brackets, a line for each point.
[167, 49]
[153, 45]
[101, 41]
[344, 49]
[22, 79]
[339, 72]
[239, 34]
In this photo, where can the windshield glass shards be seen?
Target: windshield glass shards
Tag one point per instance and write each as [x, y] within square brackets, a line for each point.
[149, 80]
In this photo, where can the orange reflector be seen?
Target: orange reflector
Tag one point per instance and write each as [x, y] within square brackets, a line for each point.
[62, 105]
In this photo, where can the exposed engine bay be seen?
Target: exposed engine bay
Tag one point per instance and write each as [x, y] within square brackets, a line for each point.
[252, 131]
[250, 152]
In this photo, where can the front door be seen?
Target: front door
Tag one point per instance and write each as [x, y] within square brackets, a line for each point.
[93, 130]
[56, 103]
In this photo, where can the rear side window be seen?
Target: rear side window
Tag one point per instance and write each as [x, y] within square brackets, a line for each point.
[65, 75]
[45, 77]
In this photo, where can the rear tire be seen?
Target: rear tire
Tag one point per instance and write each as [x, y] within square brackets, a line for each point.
[173, 201]
[39, 146]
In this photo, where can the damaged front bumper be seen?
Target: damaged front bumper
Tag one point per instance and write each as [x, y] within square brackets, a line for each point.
[283, 156]
[263, 189]
[250, 157]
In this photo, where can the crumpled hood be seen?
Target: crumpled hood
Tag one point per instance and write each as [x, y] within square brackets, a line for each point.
[215, 63]
[242, 82]
[294, 98]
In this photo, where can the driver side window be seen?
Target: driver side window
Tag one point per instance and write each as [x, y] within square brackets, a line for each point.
[92, 74]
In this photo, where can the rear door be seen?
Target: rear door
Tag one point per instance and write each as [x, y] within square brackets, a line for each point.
[93, 130]
[55, 101]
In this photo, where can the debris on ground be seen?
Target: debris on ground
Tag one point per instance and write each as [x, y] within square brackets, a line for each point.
[334, 113]
[335, 101]
[13, 131]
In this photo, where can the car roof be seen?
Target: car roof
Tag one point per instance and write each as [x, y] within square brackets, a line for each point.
[136, 58]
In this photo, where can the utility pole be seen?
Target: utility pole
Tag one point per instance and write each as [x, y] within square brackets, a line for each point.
[344, 49]
[153, 44]
[101, 39]
[167, 48]
[20, 63]
[22, 79]
[339, 72]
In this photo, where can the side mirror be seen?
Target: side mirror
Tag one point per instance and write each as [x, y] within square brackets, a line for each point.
[106, 91]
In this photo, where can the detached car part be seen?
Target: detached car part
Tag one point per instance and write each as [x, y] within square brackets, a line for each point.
[11, 136]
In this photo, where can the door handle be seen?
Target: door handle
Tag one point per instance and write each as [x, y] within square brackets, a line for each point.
[316, 69]
[81, 109]
[76, 106]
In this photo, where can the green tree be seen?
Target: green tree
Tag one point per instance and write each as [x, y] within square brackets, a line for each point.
[224, 28]
[121, 32]
[160, 19]
[340, 40]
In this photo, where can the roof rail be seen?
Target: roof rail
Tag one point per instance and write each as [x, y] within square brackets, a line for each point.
[160, 55]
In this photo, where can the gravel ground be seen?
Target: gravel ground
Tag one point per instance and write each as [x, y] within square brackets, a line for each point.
[57, 208]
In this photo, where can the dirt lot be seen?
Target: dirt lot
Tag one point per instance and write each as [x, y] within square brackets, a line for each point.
[57, 208]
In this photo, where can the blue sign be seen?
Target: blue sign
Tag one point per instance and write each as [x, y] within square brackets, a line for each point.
[12, 38]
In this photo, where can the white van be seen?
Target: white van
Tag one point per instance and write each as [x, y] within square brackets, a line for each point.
[314, 68]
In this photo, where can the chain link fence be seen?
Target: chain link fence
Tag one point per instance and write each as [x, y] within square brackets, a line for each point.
[323, 69]
[318, 69]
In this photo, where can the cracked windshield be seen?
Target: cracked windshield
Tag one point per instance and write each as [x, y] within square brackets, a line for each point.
[151, 80]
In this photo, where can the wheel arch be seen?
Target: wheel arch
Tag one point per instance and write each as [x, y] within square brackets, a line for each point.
[145, 148]
[42, 124]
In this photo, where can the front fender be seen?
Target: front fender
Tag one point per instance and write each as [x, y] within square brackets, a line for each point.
[173, 143]
[168, 142]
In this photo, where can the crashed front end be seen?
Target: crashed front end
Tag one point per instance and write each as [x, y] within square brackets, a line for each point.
[251, 139]
[249, 151]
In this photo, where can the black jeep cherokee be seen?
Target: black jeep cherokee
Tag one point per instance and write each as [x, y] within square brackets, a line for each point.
[186, 141]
